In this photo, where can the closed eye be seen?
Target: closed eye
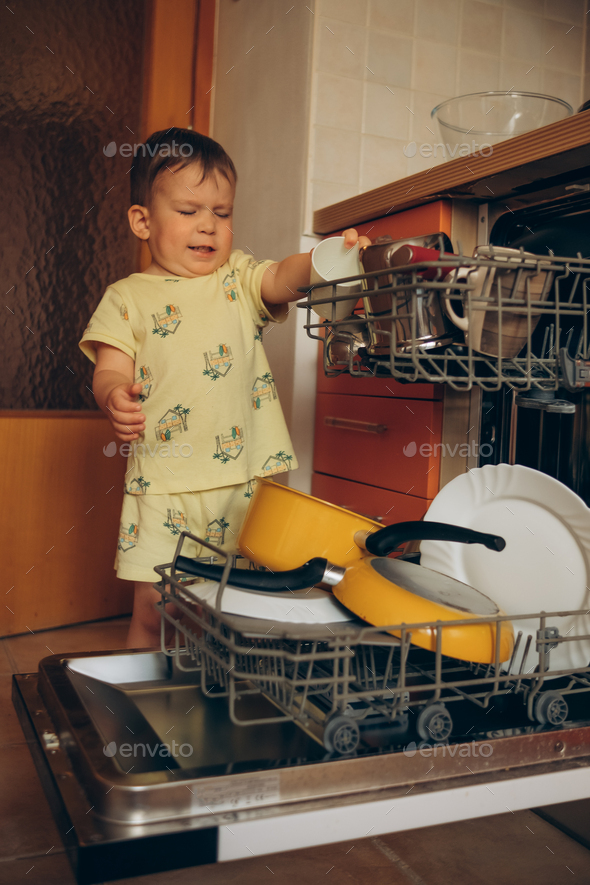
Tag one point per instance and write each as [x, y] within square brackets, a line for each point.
[218, 214]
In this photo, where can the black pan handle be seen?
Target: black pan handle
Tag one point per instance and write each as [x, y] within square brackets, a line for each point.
[387, 540]
[295, 579]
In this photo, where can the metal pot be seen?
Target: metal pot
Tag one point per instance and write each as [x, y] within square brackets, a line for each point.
[343, 343]
[432, 327]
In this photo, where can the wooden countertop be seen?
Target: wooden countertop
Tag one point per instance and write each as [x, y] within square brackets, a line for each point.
[550, 155]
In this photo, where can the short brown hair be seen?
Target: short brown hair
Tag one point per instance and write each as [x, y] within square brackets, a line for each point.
[175, 148]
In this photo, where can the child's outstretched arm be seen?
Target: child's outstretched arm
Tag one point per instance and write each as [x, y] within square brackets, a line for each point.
[116, 393]
[281, 281]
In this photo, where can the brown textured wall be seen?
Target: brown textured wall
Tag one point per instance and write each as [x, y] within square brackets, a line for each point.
[70, 84]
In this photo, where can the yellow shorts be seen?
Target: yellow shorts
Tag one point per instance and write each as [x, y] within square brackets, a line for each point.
[151, 524]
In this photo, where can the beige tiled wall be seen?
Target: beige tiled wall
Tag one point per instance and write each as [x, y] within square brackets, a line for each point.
[380, 66]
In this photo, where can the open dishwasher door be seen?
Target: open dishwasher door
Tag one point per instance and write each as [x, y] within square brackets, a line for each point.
[145, 770]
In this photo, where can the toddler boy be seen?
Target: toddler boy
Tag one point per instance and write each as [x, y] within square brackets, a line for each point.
[180, 368]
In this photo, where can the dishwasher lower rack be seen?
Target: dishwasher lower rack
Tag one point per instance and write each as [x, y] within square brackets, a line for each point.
[390, 336]
[350, 682]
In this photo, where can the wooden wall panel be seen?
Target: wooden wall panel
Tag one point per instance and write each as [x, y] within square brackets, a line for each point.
[61, 501]
[178, 72]
[169, 65]
[204, 52]
[61, 495]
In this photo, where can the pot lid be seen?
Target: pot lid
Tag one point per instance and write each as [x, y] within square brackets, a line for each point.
[434, 586]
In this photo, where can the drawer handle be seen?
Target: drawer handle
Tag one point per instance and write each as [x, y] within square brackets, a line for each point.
[349, 424]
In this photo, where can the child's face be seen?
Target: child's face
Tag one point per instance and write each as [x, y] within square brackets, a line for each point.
[190, 222]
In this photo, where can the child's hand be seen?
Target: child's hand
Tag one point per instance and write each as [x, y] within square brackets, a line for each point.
[124, 412]
[285, 278]
[351, 238]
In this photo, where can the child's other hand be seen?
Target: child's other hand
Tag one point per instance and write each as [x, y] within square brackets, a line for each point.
[124, 412]
[351, 238]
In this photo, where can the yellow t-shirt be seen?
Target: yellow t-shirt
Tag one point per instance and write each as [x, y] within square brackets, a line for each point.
[213, 417]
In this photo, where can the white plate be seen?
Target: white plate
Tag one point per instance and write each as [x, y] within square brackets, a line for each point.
[546, 563]
[297, 607]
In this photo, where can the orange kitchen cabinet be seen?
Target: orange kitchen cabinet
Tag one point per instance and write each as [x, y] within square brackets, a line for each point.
[368, 386]
[381, 505]
[393, 474]
[380, 441]
[430, 218]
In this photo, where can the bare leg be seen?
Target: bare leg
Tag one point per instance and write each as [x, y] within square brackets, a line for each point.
[144, 631]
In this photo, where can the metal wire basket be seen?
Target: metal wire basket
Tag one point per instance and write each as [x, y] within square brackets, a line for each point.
[334, 680]
[523, 323]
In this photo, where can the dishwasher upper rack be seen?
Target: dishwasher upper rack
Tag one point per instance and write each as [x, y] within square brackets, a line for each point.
[545, 362]
[333, 680]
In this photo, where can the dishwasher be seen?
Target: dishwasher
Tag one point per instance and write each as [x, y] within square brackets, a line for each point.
[242, 739]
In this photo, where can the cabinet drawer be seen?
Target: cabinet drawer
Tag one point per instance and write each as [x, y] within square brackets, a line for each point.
[379, 504]
[382, 442]
[346, 383]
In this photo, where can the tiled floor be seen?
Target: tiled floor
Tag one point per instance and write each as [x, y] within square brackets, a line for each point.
[509, 849]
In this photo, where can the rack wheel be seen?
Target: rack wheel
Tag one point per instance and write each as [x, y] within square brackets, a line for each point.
[341, 735]
[551, 708]
[434, 723]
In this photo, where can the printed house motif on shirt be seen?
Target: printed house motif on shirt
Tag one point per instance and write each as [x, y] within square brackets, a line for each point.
[137, 486]
[174, 420]
[166, 322]
[278, 463]
[145, 378]
[124, 313]
[218, 362]
[176, 522]
[127, 537]
[216, 531]
[229, 445]
[263, 389]
[230, 286]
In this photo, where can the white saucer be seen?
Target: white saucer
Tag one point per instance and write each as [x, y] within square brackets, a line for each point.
[297, 607]
[545, 565]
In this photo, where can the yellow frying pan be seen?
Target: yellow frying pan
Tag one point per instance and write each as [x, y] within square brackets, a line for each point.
[384, 591]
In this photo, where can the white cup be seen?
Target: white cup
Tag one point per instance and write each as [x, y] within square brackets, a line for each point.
[330, 260]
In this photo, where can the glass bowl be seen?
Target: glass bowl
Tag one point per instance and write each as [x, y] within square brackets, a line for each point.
[469, 123]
